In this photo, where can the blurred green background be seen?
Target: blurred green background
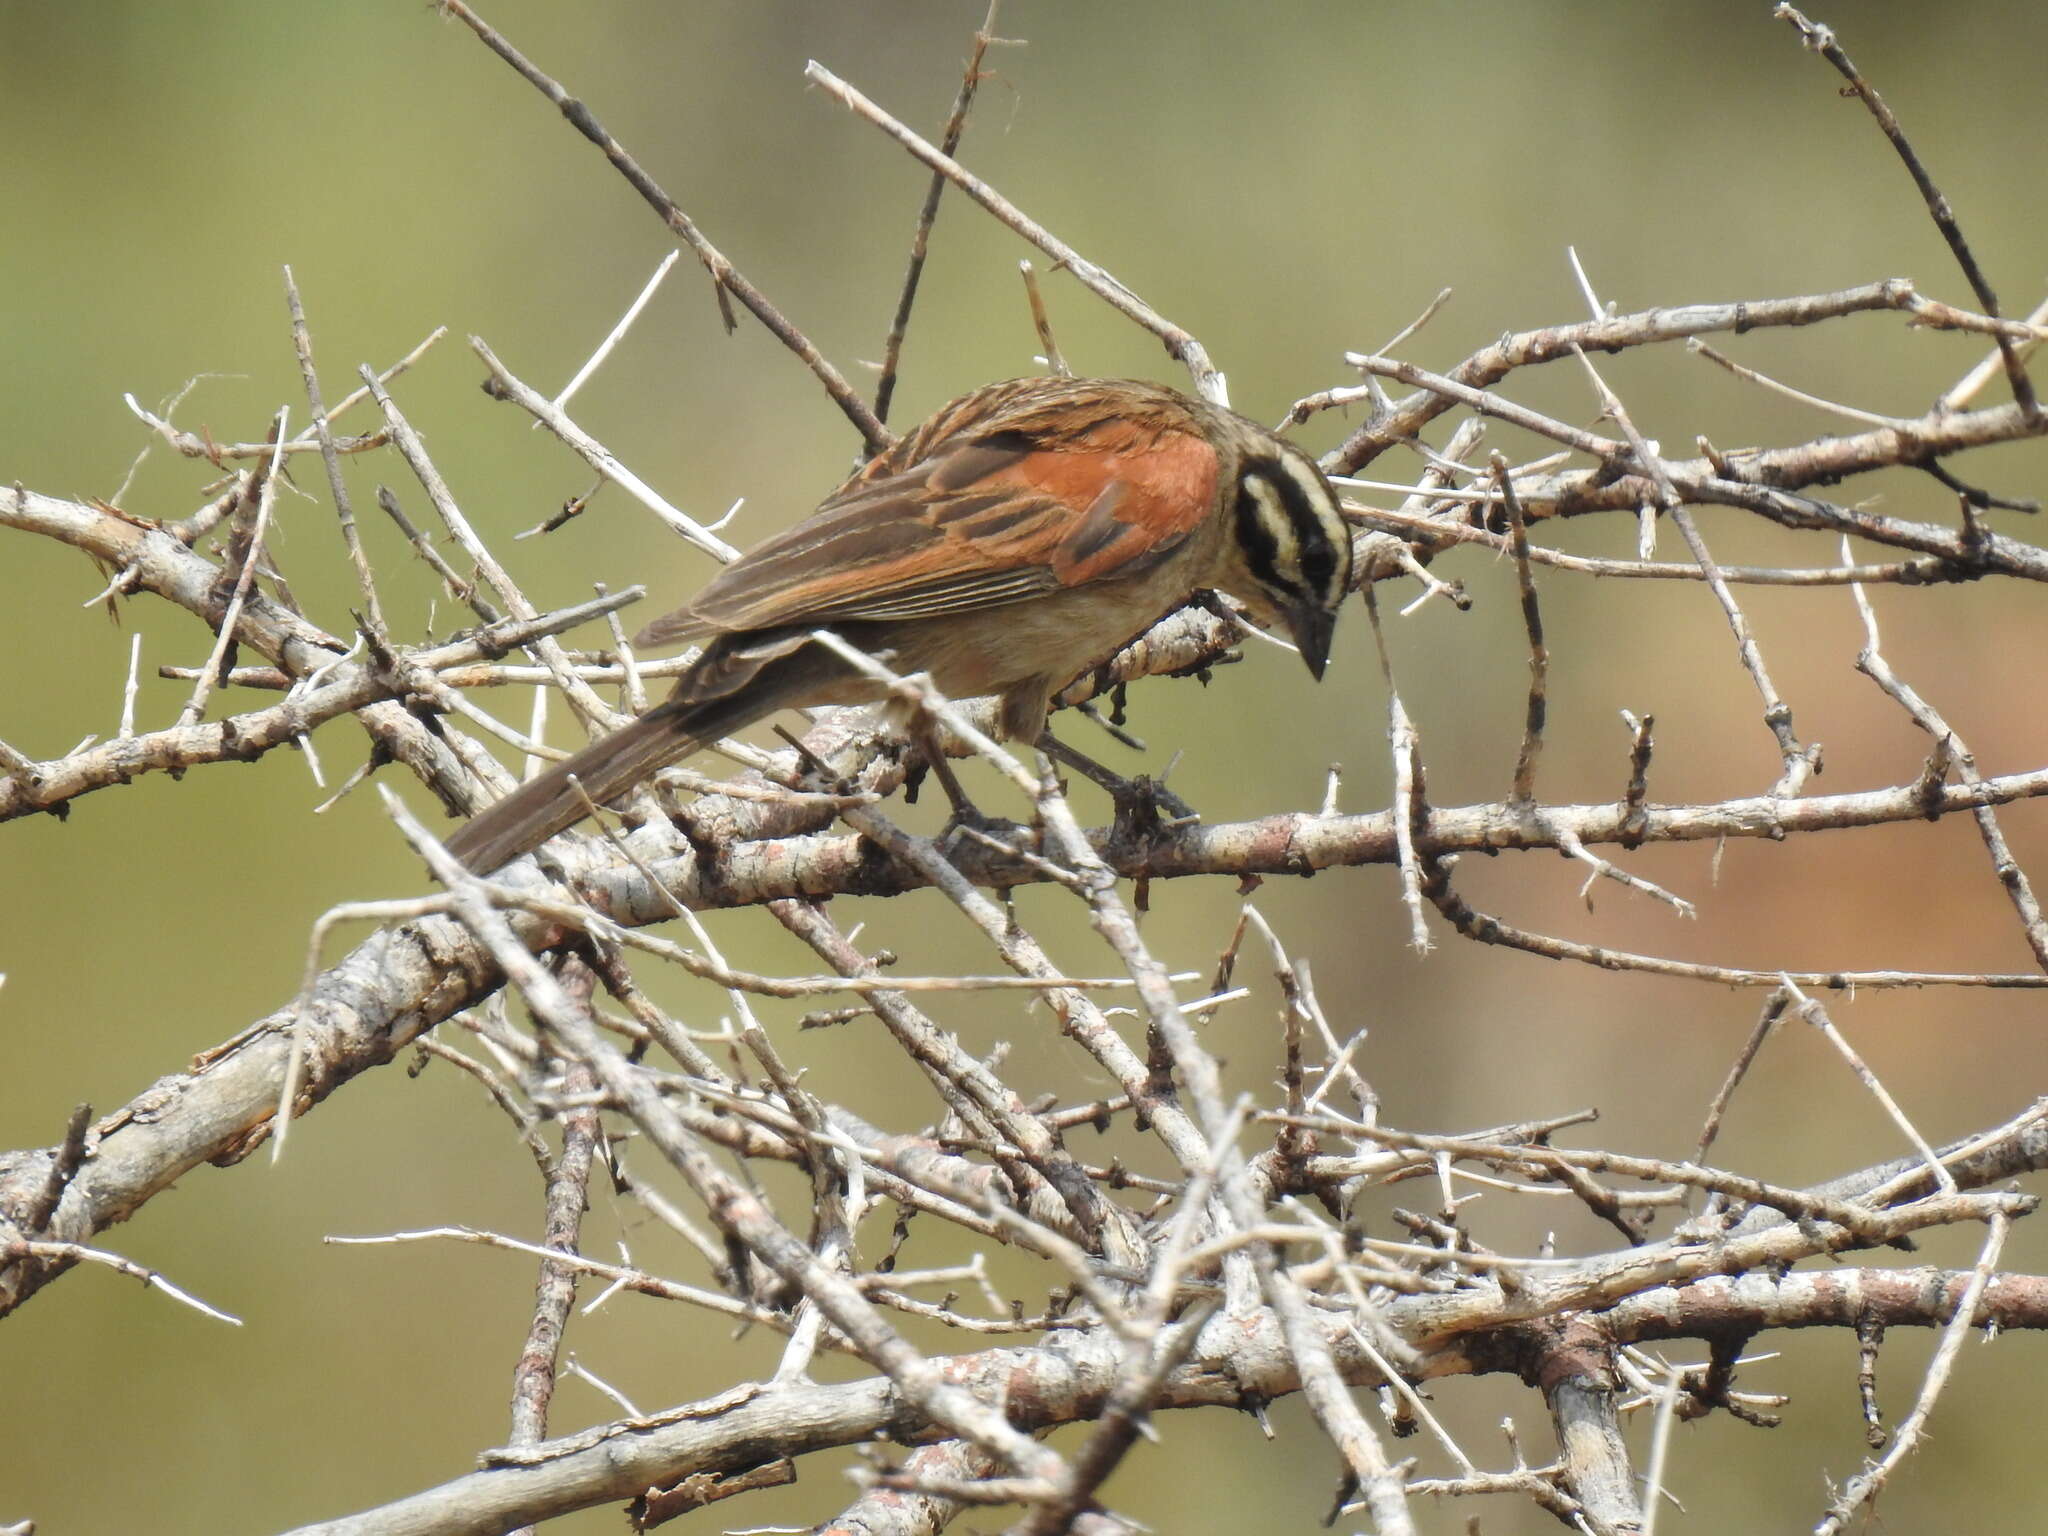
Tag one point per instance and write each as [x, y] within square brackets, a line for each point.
[1288, 181]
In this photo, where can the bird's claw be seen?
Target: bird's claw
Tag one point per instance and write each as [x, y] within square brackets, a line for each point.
[1145, 806]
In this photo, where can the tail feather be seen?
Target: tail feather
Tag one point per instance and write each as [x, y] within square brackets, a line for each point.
[740, 679]
[550, 803]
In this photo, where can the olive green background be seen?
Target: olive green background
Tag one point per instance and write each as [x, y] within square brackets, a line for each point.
[1288, 181]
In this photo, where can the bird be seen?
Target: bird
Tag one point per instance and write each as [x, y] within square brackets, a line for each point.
[1022, 534]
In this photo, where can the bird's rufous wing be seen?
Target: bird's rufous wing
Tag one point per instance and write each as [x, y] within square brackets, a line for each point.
[978, 521]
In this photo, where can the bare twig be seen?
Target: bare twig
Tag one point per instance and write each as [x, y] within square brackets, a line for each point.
[251, 560]
[1523, 791]
[302, 343]
[1822, 41]
[1951, 751]
[725, 277]
[1180, 345]
[956, 125]
[1865, 1487]
[617, 333]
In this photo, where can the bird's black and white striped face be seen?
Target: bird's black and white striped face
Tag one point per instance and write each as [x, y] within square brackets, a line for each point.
[1292, 542]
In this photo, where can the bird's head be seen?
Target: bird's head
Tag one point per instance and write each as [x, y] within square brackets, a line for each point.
[1288, 556]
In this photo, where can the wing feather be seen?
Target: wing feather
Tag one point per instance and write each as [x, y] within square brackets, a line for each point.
[1016, 491]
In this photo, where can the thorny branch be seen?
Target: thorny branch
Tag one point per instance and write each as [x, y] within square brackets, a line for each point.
[1189, 1264]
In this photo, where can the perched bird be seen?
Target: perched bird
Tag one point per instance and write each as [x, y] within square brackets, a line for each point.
[1020, 536]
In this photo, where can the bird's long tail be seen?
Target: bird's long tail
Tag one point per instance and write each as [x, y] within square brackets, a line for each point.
[549, 802]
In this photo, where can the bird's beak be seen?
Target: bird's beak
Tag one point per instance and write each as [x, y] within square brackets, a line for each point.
[1312, 628]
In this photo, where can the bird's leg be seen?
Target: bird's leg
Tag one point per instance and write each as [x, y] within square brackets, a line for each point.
[928, 736]
[1143, 804]
[930, 740]
[811, 769]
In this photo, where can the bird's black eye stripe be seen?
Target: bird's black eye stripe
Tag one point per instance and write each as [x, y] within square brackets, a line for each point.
[1284, 533]
[1318, 554]
[1257, 534]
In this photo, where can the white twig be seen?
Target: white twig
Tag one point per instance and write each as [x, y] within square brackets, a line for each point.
[78, 1253]
[604, 348]
[599, 457]
[1817, 1016]
[1208, 383]
[1660, 1447]
[1862, 1489]
[128, 693]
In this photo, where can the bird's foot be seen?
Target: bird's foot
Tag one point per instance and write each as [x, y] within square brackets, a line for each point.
[968, 821]
[1144, 805]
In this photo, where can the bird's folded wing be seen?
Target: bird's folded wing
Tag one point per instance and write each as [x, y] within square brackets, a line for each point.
[993, 520]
